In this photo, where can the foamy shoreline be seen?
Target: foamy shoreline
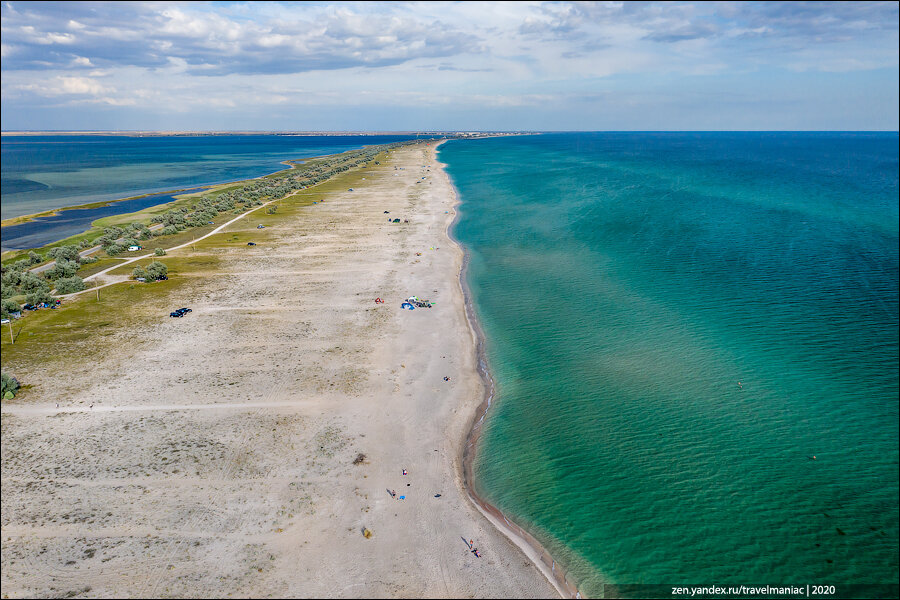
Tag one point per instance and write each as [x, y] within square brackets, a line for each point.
[529, 545]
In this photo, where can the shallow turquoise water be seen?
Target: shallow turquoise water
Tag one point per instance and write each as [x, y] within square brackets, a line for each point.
[626, 283]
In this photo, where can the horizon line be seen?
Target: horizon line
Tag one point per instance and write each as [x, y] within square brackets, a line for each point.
[440, 131]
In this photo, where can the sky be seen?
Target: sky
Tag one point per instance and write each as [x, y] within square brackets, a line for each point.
[403, 66]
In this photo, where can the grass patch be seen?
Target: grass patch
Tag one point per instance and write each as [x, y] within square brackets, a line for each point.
[102, 263]
[84, 327]
[146, 215]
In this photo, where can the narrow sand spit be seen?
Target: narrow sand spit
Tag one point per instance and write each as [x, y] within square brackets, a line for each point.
[223, 452]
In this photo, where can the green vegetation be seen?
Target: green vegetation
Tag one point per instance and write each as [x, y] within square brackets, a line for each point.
[10, 385]
[90, 324]
[69, 285]
[58, 339]
[40, 296]
[17, 281]
[159, 252]
[197, 209]
[10, 306]
[155, 271]
[62, 269]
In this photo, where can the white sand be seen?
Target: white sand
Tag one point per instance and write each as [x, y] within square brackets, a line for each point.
[218, 457]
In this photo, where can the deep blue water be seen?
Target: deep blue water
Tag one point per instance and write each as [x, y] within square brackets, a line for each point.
[677, 323]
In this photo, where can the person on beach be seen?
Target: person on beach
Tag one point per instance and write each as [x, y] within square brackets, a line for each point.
[471, 543]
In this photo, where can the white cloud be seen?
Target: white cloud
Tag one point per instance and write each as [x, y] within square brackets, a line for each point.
[81, 85]
[516, 55]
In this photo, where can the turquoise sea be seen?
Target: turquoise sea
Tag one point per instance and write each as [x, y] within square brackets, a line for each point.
[677, 323]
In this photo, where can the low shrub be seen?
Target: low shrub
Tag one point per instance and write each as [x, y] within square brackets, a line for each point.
[40, 296]
[9, 386]
[69, 285]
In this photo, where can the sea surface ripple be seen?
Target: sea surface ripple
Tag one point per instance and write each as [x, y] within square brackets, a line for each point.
[677, 323]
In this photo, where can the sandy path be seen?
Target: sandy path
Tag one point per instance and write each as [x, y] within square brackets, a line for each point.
[218, 457]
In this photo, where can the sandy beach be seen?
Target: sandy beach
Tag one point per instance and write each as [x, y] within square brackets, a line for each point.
[243, 450]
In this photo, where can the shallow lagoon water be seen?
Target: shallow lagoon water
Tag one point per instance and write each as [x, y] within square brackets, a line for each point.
[41, 173]
[676, 324]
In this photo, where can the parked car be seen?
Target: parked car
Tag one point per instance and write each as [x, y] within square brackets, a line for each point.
[135, 248]
[251, 243]
[180, 312]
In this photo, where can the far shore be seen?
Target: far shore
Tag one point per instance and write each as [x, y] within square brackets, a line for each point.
[139, 133]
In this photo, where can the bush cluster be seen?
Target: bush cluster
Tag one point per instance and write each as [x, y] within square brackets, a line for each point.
[17, 280]
[9, 386]
[152, 272]
[260, 190]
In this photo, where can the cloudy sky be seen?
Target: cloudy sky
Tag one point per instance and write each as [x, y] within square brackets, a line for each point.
[455, 65]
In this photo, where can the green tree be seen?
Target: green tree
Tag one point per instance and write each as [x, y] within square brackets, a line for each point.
[62, 268]
[40, 296]
[64, 253]
[157, 270]
[159, 252]
[10, 306]
[68, 285]
[138, 273]
[29, 282]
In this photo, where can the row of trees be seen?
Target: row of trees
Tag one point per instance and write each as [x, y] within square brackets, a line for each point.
[255, 192]
[16, 279]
